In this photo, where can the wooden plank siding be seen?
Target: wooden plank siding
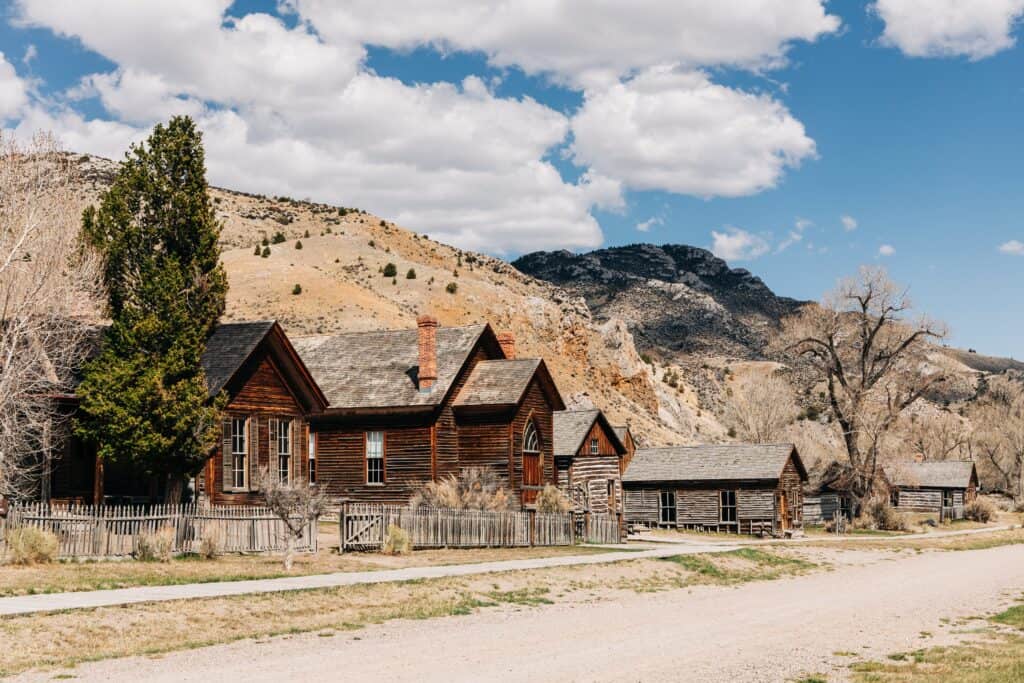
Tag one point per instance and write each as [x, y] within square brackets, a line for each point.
[589, 474]
[534, 405]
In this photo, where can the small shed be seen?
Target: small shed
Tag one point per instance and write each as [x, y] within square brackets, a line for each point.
[588, 460]
[741, 488]
[939, 487]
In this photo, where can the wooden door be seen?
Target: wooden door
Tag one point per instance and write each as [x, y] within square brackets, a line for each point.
[531, 476]
[784, 512]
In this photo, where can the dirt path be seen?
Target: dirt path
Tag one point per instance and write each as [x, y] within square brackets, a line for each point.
[771, 631]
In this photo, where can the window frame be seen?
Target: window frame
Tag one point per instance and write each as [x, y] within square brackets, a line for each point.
[531, 431]
[285, 438]
[311, 457]
[239, 457]
[723, 506]
[595, 446]
[663, 495]
[952, 499]
[382, 457]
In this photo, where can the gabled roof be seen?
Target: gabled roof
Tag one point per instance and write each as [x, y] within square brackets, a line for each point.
[621, 431]
[231, 345]
[380, 369]
[572, 427]
[502, 383]
[718, 462]
[952, 474]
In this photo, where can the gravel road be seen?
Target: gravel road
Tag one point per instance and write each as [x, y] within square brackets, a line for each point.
[769, 631]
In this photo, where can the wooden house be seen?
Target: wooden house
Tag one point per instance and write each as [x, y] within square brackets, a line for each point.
[588, 460]
[270, 394]
[411, 406]
[939, 487]
[626, 438]
[742, 488]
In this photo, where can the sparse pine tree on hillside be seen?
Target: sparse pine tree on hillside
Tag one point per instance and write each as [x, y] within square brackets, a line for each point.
[144, 398]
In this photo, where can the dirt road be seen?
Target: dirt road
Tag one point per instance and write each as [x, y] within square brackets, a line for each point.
[770, 631]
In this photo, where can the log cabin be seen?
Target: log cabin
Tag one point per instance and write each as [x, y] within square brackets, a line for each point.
[739, 488]
[270, 394]
[589, 460]
[411, 406]
[939, 487]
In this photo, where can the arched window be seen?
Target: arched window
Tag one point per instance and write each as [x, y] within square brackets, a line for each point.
[531, 442]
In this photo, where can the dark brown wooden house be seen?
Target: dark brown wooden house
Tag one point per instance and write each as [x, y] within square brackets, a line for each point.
[411, 406]
[742, 488]
[939, 487]
[588, 460]
[629, 443]
[270, 394]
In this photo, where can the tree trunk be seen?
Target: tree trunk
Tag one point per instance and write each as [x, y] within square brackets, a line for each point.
[175, 487]
[289, 553]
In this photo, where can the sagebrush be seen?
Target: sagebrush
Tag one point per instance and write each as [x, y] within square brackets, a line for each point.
[477, 488]
[980, 510]
[157, 546]
[551, 499]
[31, 546]
[398, 541]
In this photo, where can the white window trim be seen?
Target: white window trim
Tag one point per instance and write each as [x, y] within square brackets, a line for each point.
[284, 449]
[244, 452]
[311, 466]
[595, 446]
[376, 438]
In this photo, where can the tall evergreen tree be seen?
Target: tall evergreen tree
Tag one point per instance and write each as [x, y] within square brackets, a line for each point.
[144, 398]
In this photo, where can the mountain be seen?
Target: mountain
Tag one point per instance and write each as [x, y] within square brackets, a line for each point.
[678, 300]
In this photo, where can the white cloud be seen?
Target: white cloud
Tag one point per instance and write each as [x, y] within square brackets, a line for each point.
[12, 90]
[948, 28]
[581, 41]
[645, 226]
[1013, 247]
[795, 235]
[31, 52]
[886, 250]
[677, 131]
[735, 244]
[849, 222]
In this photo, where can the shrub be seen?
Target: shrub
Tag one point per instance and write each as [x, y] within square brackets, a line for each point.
[306, 235]
[258, 251]
[372, 244]
[878, 514]
[266, 252]
[297, 289]
[551, 499]
[477, 488]
[278, 238]
[390, 270]
[398, 541]
[155, 547]
[265, 242]
[411, 274]
[451, 288]
[980, 510]
[298, 244]
[31, 546]
[212, 542]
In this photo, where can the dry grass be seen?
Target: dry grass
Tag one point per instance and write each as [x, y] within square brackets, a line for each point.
[904, 542]
[66, 638]
[85, 576]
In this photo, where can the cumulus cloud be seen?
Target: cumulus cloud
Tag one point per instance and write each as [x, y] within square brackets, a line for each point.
[645, 226]
[849, 222]
[580, 41]
[886, 250]
[1013, 247]
[735, 244]
[12, 90]
[949, 28]
[666, 129]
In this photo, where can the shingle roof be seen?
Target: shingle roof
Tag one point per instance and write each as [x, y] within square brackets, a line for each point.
[621, 431]
[571, 427]
[228, 348]
[497, 382]
[380, 369]
[954, 474]
[718, 462]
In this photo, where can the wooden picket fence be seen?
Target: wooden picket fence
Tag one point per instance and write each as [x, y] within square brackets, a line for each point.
[603, 528]
[364, 526]
[114, 530]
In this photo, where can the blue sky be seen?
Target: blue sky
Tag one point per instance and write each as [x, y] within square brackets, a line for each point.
[798, 139]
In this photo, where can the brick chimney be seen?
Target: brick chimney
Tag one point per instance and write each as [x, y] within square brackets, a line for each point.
[427, 326]
[507, 340]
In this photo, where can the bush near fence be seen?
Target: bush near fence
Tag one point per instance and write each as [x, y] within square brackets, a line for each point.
[114, 530]
[364, 526]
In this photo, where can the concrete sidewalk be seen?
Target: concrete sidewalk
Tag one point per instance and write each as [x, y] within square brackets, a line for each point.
[28, 604]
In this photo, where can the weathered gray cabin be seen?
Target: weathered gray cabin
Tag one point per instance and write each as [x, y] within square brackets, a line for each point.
[939, 487]
[740, 488]
[588, 460]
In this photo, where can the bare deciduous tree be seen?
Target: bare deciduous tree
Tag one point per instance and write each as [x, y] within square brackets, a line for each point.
[937, 436]
[873, 362]
[999, 433]
[298, 504]
[760, 409]
[48, 292]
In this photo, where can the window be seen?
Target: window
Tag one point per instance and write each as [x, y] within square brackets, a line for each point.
[727, 506]
[531, 442]
[284, 450]
[894, 498]
[374, 457]
[667, 507]
[594, 447]
[312, 458]
[947, 498]
[611, 495]
[239, 450]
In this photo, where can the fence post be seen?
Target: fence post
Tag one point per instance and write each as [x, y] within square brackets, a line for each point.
[342, 515]
[532, 516]
[586, 525]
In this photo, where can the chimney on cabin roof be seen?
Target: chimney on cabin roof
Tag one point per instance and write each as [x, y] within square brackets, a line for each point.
[427, 327]
[507, 340]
